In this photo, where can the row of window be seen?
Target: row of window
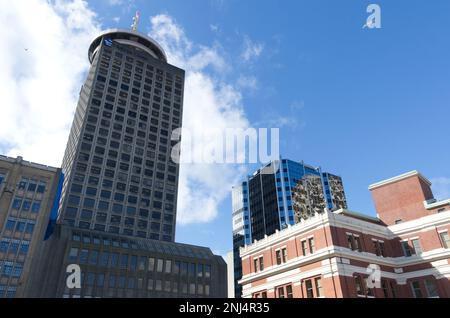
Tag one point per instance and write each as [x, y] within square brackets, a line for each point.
[11, 269]
[31, 185]
[121, 282]
[26, 205]
[312, 288]
[132, 57]
[281, 256]
[410, 246]
[7, 292]
[125, 231]
[133, 263]
[13, 246]
[19, 225]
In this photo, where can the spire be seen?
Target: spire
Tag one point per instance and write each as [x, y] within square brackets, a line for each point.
[134, 26]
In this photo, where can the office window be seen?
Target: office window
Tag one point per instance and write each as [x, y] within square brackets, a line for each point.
[176, 267]
[318, 285]
[122, 281]
[73, 254]
[431, 288]
[100, 280]
[11, 292]
[159, 265]
[168, 267]
[261, 263]
[311, 245]
[192, 270]
[142, 263]
[417, 292]
[17, 204]
[93, 257]
[35, 207]
[280, 292]
[104, 258]
[133, 262]
[379, 248]
[407, 249]
[124, 261]
[255, 263]
[24, 247]
[284, 255]
[417, 249]
[200, 271]
[167, 286]
[114, 259]
[445, 239]
[26, 205]
[385, 288]
[150, 284]
[131, 283]
[84, 256]
[17, 272]
[90, 279]
[354, 242]
[304, 248]
[289, 293]
[158, 285]
[309, 288]
[10, 224]
[151, 264]
[359, 285]
[278, 256]
[207, 271]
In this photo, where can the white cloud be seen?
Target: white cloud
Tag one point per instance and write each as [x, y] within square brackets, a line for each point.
[44, 60]
[214, 27]
[289, 118]
[209, 105]
[115, 2]
[441, 188]
[116, 19]
[251, 49]
[247, 82]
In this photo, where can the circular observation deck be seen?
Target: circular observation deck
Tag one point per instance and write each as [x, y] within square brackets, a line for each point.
[131, 38]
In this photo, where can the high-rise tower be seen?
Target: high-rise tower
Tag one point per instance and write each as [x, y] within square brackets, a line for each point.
[117, 213]
[119, 176]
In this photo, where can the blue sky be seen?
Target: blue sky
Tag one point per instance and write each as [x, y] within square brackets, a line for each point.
[367, 104]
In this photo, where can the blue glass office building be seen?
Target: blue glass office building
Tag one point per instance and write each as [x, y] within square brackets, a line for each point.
[263, 203]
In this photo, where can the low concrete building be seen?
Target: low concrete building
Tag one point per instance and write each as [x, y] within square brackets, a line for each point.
[126, 267]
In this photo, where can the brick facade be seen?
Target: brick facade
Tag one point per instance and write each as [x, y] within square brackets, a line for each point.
[330, 254]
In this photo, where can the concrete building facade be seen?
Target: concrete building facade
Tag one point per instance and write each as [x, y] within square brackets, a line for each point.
[119, 176]
[28, 205]
[404, 252]
[115, 266]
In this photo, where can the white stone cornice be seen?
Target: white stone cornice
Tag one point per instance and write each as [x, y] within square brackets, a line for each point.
[333, 252]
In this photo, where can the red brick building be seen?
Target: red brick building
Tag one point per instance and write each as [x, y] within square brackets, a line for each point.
[332, 254]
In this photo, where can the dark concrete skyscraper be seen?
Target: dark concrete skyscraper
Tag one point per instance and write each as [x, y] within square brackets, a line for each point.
[119, 176]
[119, 194]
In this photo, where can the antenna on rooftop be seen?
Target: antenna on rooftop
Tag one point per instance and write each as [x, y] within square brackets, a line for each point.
[135, 24]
